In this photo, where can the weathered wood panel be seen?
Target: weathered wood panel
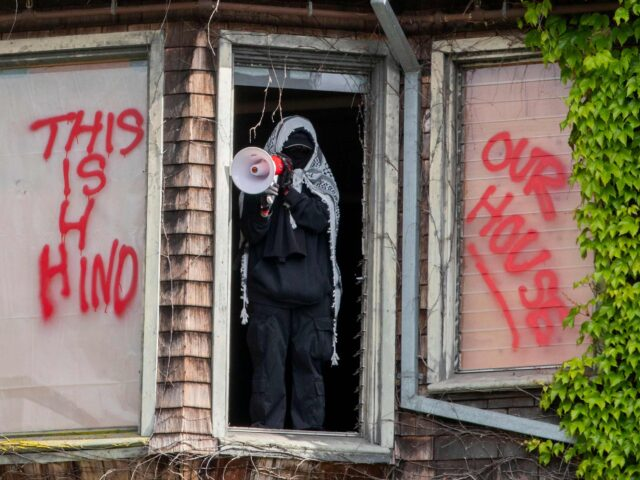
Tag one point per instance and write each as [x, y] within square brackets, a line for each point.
[188, 222]
[179, 394]
[186, 198]
[184, 344]
[189, 82]
[186, 34]
[188, 175]
[185, 369]
[193, 445]
[187, 129]
[188, 105]
[183, 267]
[188, 58]
[185, 419]
[414, 447]
[200, 153]
[183, 319]
[186, 244]
[187, 293]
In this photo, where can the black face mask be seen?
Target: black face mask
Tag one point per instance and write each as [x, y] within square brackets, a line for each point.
[299, 156]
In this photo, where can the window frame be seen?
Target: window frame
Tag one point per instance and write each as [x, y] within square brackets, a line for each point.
[443, 286]
[374, 443]
[147, 45]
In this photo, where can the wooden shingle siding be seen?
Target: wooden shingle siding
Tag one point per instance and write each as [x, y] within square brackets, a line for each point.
[184, 394]
[189, 129]
[188, 175]
[188, 267]
[188, 58]
[182, 105]
[184, 419]
[187, 221]
[186, 369]
[191, 319]
[186, 244]
[188, 198]
[188, 152]
[189, 81]
[183, 344]
[183, 410]
[186, 293]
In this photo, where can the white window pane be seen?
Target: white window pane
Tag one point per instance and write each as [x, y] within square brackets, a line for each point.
[76, 363]
[519, 258]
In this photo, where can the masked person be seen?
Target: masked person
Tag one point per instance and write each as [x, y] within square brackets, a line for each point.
[290, 280]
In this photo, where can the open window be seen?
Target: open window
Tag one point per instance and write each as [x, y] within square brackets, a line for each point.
[348, 90]
[503, 257]
[81, 181]
[338, 118]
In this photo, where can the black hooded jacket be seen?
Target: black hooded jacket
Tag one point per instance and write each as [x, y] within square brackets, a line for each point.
[288, 265]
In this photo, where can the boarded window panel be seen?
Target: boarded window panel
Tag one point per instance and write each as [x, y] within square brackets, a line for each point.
[70, 358]
[520, 259]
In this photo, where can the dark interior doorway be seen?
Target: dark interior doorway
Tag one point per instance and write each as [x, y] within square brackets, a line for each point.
[338, 120]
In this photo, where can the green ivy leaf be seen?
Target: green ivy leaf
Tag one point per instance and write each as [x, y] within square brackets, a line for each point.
[621, 15]
[597, 394]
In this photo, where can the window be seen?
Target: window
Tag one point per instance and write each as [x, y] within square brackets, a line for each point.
[81, 181]
[337, 117]
[503, 257]
[348, 89]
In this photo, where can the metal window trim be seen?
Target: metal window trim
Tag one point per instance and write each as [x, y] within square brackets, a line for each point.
[446, 55]
[372, 58]
[148, 45]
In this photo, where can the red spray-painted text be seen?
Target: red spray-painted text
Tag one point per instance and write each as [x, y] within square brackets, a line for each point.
[96, 276]
[508, 234]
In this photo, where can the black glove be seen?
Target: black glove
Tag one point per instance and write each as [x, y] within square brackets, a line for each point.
[285, 179]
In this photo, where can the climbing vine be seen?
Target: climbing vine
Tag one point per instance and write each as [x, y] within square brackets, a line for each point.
[597, 396]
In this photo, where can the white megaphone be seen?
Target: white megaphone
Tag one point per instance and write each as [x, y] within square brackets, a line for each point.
[254, 169]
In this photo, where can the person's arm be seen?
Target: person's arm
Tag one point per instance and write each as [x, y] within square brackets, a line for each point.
[254, 224]
[308, 211]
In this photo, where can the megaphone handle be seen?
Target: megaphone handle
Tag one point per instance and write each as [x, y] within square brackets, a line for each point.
[272, 189]
[266, 203]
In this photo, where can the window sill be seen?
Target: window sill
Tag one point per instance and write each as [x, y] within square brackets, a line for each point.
[30, 449]
[492, 381]
[330, 446]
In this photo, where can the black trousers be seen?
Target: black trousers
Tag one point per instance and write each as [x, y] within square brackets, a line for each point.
[306, 334]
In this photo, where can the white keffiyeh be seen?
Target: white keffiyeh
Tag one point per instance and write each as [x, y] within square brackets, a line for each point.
[318, 178]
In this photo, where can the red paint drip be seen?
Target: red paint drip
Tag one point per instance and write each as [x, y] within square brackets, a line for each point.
[47, 274]
[136, 128]
[109, 138]
[84, 305]
[121, 303]
[80, 225]
[105, 277]
[52, 123]
[497, 294]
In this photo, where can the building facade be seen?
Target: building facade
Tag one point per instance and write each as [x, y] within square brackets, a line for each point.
[125, 356]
